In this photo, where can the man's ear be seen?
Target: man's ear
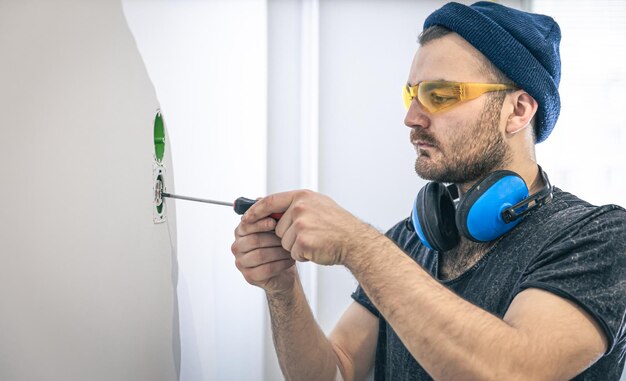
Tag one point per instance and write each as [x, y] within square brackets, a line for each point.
[524, 108]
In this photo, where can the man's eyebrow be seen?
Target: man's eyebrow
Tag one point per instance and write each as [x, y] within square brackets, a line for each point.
[408, 83]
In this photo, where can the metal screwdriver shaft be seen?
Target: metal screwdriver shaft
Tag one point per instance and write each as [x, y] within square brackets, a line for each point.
[196, 199]
[241, 205]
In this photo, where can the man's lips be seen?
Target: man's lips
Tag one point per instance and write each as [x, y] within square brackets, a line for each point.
[422, 144]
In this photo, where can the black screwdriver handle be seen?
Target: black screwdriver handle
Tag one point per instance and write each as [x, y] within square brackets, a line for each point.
[242, 204]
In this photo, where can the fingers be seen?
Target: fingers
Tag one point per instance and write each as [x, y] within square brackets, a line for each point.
[260, 264]
[245, 244]
[296, 243]
[260, 257]
[275, 203]
[267, 271]
[289, 237]
[257, 249]
[262, 225]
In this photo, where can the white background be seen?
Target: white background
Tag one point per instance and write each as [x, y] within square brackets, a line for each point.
[267, 95]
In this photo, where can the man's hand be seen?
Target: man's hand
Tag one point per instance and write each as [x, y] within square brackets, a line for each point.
[260, 257]
[313, 227]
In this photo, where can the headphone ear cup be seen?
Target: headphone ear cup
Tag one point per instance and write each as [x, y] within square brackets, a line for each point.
[479, 213]
[434, 217]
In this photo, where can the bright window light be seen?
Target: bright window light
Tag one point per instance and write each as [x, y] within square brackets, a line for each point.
[586, 153]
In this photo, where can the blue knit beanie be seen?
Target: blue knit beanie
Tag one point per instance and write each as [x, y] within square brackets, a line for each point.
[524, 46]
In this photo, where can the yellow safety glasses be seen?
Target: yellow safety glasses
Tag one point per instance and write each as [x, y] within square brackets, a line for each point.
[435, 96]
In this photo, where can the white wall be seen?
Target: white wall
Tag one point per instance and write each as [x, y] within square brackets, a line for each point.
[87, 279]
[208, 62]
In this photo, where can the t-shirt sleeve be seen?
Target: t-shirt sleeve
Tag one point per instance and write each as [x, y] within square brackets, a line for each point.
[361, 297]
[586, 264]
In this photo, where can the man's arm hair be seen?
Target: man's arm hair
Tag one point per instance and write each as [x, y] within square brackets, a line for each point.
[542, 336]
[304, 352]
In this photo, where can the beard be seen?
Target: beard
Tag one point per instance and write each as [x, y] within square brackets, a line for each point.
[471, 155]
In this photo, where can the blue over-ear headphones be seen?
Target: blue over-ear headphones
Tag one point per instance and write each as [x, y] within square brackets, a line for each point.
[491, 208]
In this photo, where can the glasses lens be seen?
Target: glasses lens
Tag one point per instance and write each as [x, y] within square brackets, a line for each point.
[406, 97]
[433, 95]
[436, 96]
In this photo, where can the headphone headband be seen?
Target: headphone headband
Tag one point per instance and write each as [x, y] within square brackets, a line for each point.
[512, 213]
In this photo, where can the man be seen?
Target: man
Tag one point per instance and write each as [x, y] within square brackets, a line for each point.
[543, 299]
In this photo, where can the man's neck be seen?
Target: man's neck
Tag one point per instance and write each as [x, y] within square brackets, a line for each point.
[529, 172]
[461, 258]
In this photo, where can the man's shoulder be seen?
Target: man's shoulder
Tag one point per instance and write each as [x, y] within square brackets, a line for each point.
[568, 217]
[567, 209]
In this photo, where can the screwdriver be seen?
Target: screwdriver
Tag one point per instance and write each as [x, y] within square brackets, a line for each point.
[241, 205]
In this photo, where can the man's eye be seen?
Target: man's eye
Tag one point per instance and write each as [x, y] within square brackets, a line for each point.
[441, 99]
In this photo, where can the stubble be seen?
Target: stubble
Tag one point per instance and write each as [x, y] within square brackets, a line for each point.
[471, 155]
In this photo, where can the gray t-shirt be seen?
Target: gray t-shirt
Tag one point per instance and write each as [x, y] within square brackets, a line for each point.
[568, 247]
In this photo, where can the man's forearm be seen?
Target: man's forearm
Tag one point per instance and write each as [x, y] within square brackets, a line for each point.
[304, 352]
[450, 337]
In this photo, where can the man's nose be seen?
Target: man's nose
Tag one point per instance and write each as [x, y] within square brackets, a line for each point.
[416, 116]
